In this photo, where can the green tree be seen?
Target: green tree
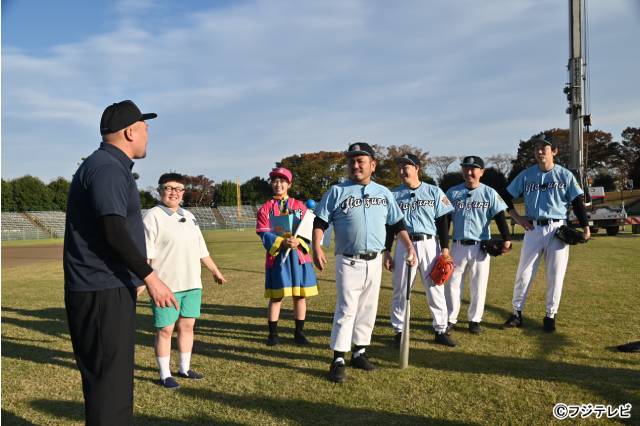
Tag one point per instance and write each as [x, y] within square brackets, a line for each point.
[30, 193]
[450, 179]
[147, 200]
[314, 173]
[59, 192]
[226, 193]
[255, 191]
[386, 168]
[605, 180]
[8, 201]
[495, 179]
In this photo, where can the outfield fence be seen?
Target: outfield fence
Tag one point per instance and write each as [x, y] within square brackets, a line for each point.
[38, 225]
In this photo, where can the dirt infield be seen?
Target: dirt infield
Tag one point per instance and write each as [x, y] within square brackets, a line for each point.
[17, 256]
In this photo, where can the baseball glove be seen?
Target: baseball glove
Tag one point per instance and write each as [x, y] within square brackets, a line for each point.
[442, 270]
[494, 247]
[570, 235]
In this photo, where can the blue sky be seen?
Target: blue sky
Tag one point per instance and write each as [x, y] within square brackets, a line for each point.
[238, 85]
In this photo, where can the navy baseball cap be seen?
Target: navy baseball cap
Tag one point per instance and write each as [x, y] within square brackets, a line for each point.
[408, 159]
[360, 148]
[472, 161]
[541, 139]
[121, 115]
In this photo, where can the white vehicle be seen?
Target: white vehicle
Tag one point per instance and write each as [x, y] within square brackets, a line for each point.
[601, 215]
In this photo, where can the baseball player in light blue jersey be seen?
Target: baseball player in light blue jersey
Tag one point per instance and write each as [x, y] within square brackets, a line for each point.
[362, 212]
[475, 205]
[425, 209]
[548, 190]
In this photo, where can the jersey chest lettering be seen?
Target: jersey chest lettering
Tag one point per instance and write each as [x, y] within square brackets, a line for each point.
[548, 186]
[415, 204]
[353, 202]
[468, 205]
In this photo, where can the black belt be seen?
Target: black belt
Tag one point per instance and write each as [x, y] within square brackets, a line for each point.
[363, 256]
[544, 222]
[420, 237]
[467, 242]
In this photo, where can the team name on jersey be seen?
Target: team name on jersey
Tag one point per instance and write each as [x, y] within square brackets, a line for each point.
[532, 187]
[462, 205]
[353, 202]
[415, 204]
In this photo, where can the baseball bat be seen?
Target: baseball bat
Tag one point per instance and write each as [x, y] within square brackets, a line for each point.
[404, 341]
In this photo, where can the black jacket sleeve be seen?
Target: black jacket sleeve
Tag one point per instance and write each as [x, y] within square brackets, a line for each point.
[392, 231]
[442, 227]
[580, 211]
[320, 224]
[115, 232]
[501, 221]
[508, 199]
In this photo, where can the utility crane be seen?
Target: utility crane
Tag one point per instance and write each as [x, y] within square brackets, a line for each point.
[602, 216]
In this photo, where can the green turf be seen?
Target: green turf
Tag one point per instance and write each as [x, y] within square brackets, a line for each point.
[499, 377]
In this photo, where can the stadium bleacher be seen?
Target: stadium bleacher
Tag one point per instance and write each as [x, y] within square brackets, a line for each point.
[52, 221]
[16, 226]
[246, 218]
[50, 224]
[205, 217]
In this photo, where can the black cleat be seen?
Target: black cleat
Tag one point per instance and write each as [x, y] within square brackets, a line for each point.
[273, 340]
[474, 327]
[337, 372]
[444, 339]
[450, 327]
[397, 339]
[190, 374]
[362, 362]
[549, 324]
[169, 383]
[514, 321]
[300, 339]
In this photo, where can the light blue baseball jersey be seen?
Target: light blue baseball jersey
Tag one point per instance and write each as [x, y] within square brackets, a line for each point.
[359, 214]
[474, 209]
[421, 206]
[547, 195]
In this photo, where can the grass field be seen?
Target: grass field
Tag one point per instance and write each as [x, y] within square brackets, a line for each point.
[499, 377]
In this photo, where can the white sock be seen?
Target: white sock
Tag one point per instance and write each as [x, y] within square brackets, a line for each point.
[185, 362]
[339, 360]
[359, 352]
[163, 365]
[551, 315]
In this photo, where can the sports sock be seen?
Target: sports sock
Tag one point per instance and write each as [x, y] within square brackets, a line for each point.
[273, 328]
[358, 350]
[185, 362]
[338, 357]
[299, 326]
[163, 365]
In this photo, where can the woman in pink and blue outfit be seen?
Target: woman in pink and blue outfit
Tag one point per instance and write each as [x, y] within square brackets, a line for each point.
[294, 276]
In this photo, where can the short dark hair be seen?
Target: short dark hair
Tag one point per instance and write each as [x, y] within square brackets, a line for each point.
[172, 177]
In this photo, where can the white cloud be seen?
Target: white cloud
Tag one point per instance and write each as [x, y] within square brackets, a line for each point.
[239, 87]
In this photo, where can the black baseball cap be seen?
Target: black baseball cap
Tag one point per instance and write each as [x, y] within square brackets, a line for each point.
[121, 115]
[472, 161]
[409, 159]
[541, 139]
[360, 148]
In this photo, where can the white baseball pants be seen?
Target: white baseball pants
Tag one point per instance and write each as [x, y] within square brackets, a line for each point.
[357, 290]
[472, 260]
[539, 242]
[428, 252]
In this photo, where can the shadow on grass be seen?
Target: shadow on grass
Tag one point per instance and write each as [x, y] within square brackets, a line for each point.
[9, 418]
[614, 385]
[74, 411]
[307, 412]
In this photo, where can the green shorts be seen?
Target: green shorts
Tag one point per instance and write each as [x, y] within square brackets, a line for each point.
[189, 302]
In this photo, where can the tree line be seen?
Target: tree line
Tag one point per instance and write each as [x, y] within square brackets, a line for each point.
[609, 163]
